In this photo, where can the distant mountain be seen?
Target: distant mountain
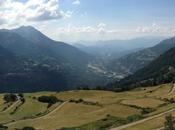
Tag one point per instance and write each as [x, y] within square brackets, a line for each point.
[42, 64]
[117, 48]
[161, 70]
[134, 61]
[8, 61]
[61, 51]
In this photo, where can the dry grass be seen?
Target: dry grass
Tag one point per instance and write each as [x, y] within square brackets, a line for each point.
[71, 114]
[143, 102]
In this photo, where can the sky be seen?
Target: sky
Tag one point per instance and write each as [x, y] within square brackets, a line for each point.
[91, 20]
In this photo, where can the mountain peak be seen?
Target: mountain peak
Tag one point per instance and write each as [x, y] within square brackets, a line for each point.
[27, 29]
[31, 33]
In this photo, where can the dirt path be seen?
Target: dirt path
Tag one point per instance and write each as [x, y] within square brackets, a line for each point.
[13, 105]
[162, 128]
[38, 118]
[58, 108]
[143, 120]
[9, 108]
[172, 90]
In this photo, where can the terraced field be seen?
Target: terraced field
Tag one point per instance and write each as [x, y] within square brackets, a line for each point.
[84, 110]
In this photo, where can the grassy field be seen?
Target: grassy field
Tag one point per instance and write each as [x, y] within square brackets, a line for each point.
[113, 109]
[31, 107]
[144, 102]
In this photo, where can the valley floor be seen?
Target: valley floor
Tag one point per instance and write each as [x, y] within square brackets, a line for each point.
[139, 109]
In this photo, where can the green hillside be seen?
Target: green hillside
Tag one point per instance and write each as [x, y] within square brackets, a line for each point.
[161, 70]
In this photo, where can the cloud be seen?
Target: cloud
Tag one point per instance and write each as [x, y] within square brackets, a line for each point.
[156, 29]
[32, 10]
[76, 2]
[101, 31]
[2, 2]
[149, 29]
[2, 21]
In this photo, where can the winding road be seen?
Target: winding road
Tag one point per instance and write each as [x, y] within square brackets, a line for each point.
[143, 120]
[41, 117]
[172, 90]
[117, 128]
[149, 118]
[13, 105]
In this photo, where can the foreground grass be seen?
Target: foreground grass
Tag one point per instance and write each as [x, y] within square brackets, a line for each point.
[100, 124]
[119, 106]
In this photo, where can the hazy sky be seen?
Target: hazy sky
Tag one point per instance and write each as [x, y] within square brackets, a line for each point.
[82, 20]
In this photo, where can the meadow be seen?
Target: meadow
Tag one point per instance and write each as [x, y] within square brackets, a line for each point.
[87, 109]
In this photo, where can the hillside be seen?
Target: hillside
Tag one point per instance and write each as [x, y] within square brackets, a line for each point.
[161, 70]
[134, 61]
[43, 64]
[62, 52]
[8, 61]
[84, 110]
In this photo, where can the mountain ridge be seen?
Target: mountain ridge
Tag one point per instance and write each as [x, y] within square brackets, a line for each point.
[159, 71]
[132, 62]
[44, 64]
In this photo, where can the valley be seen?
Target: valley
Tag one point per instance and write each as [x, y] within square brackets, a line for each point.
[51, 85]
[85, 109]
[87, 65]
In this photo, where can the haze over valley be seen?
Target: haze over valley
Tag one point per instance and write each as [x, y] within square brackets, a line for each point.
[87, 65]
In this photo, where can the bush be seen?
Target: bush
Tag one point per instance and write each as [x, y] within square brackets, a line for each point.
[172, 100]
[48, 99]
[10, 98]
[147, 110]
[134, 118]
[169, 123]
[80, 100]
[71, 100]
[28, 128]
[21, 95]
[23, 100]
[3, 127]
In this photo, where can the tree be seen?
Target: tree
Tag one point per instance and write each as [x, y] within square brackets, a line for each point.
[21, 95]
[2, 127]
[48, 99]
[169, 123]
[10, 98]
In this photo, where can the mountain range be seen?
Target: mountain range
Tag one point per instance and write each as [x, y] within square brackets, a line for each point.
[117, 48]
[31, 61]
[132, 62]
[159, 71]
[41, 63]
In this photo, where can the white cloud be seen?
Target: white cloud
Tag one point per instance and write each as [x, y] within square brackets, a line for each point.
[101, 31]
[149, 29]
[76, 2]
[13, 12]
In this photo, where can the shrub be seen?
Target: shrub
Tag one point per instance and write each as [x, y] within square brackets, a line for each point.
[2, 127]
[169, 123]
[80, 100]
[10, 98]
[71, 100]
[21, 95]
[28, 128]
[23, 100]
[48, 99]
[134, 118]
[108, 115]
[147, 110]
[172, 100]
